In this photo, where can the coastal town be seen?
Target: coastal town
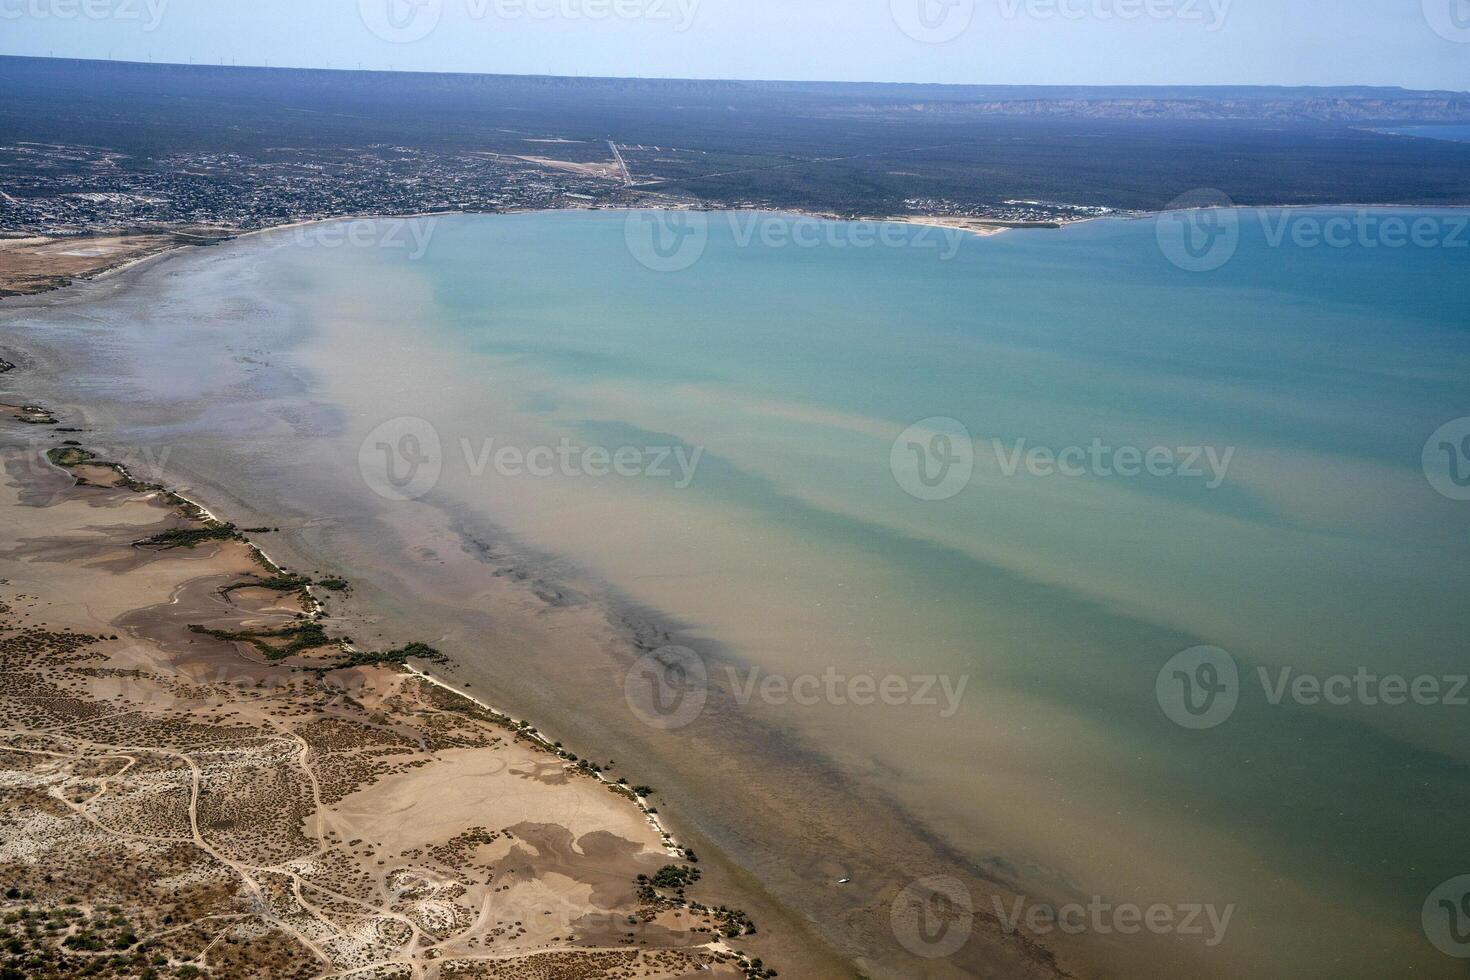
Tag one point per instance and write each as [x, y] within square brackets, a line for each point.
[69, 190]
[77, 190]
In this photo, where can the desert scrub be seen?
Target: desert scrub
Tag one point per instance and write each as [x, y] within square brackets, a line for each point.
[188, 537]
[399, 655]
[35, 415]
[69, 455]
[675, 876]
[276, 644]
[276, 583]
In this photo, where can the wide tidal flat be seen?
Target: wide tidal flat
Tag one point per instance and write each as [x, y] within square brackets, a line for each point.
[934, 516]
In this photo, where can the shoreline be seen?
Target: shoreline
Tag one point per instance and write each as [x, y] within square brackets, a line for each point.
[791, 925]
[185, 283]
[283, 718]
[976, 227]
[672, 847]
[522, 727]
[534, 734]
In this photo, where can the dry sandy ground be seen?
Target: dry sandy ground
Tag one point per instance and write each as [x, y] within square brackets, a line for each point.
[608, 169]
[39, 264]
[975, 226]
[175, 803]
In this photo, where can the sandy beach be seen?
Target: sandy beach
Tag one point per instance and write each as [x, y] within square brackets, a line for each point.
[188, 782]
[251, 376]
[502, 613]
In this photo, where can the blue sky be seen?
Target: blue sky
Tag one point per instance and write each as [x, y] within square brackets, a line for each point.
[1414, 43]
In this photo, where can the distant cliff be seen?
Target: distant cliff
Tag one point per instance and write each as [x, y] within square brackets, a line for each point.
[1413, 107]
[1303, 104]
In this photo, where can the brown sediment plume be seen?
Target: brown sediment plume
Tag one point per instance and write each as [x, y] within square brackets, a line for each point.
[172, 798]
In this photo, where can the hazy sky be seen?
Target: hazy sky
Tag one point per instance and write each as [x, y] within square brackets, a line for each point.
[1414, 43]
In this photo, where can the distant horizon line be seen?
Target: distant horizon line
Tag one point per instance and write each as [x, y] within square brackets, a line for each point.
[1256, 86]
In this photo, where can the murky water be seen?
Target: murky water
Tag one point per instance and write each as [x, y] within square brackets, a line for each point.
[934, 516]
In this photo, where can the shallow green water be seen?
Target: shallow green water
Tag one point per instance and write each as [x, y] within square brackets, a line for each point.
[1459, 134]
[1284, 385]
[1305, 374]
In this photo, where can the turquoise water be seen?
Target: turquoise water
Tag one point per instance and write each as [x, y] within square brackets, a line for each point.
[1459, 134]
[1316, 371]
[1295, 380]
